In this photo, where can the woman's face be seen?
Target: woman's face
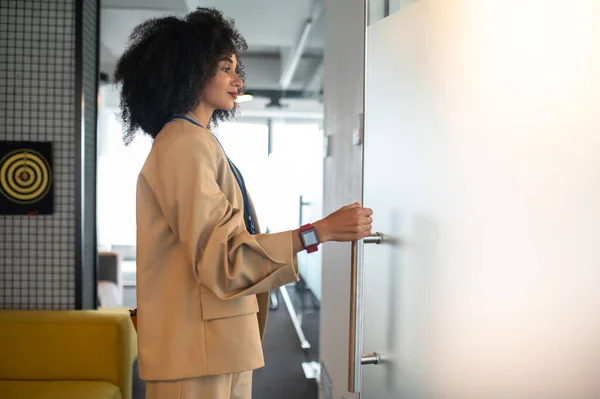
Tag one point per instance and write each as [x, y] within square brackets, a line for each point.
[222, 90]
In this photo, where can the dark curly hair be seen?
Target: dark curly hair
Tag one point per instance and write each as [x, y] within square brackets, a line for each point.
[168, 63]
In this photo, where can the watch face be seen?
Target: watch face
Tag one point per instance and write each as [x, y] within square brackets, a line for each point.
[310, 238]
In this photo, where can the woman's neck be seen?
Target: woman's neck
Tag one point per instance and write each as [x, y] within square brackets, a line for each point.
[202, 113]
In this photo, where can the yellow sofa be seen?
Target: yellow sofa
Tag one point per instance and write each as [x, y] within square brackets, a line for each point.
[66, 354]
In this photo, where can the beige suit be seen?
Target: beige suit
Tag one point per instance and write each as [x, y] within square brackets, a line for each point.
[202, 279]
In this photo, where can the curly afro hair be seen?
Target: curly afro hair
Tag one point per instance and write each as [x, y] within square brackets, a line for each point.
[168, 63]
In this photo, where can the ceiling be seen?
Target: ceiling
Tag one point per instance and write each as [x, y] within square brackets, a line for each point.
[278, 63]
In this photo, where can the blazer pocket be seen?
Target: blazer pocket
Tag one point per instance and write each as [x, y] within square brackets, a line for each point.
[215, 308]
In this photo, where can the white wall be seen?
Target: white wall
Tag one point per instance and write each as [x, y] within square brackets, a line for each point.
[344, 38]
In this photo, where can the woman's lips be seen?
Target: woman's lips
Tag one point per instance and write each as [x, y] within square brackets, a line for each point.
[234, 95]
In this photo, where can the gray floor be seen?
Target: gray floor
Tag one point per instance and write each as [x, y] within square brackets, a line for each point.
[283, 375]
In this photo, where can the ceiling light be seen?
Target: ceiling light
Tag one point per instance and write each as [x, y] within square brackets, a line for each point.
[244, 98]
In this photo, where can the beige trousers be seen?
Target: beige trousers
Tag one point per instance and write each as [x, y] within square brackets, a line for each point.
[226, 386]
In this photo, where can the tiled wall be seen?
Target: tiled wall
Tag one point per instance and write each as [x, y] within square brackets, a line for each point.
[39, 263]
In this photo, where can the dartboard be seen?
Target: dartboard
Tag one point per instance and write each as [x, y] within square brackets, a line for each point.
[25, 177]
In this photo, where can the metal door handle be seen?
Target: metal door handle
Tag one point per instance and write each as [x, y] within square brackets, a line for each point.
[371, 358]
[355, 357]
[376, 238]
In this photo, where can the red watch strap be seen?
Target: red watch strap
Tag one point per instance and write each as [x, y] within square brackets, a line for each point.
[307, 226]
[312, 248]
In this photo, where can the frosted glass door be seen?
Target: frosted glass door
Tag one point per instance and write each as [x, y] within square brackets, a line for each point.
[482, 164]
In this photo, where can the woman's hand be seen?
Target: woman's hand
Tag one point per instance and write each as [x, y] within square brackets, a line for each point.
[350, 223]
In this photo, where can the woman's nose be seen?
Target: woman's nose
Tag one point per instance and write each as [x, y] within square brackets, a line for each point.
[237, 82]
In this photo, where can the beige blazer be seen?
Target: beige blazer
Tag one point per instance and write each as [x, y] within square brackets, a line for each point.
[202, 279]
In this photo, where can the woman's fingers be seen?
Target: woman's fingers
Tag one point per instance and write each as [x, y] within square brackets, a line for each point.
[366, 233]
[365, 220]
[350, 223]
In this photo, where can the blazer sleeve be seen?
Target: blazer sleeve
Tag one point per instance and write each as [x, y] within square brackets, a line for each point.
[226, 259]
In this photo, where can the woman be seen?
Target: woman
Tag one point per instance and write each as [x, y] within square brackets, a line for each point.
[203, 270]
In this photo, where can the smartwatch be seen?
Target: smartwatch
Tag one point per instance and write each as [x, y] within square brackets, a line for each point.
[310, 238]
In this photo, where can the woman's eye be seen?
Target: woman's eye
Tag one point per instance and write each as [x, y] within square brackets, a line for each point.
[226, 70]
